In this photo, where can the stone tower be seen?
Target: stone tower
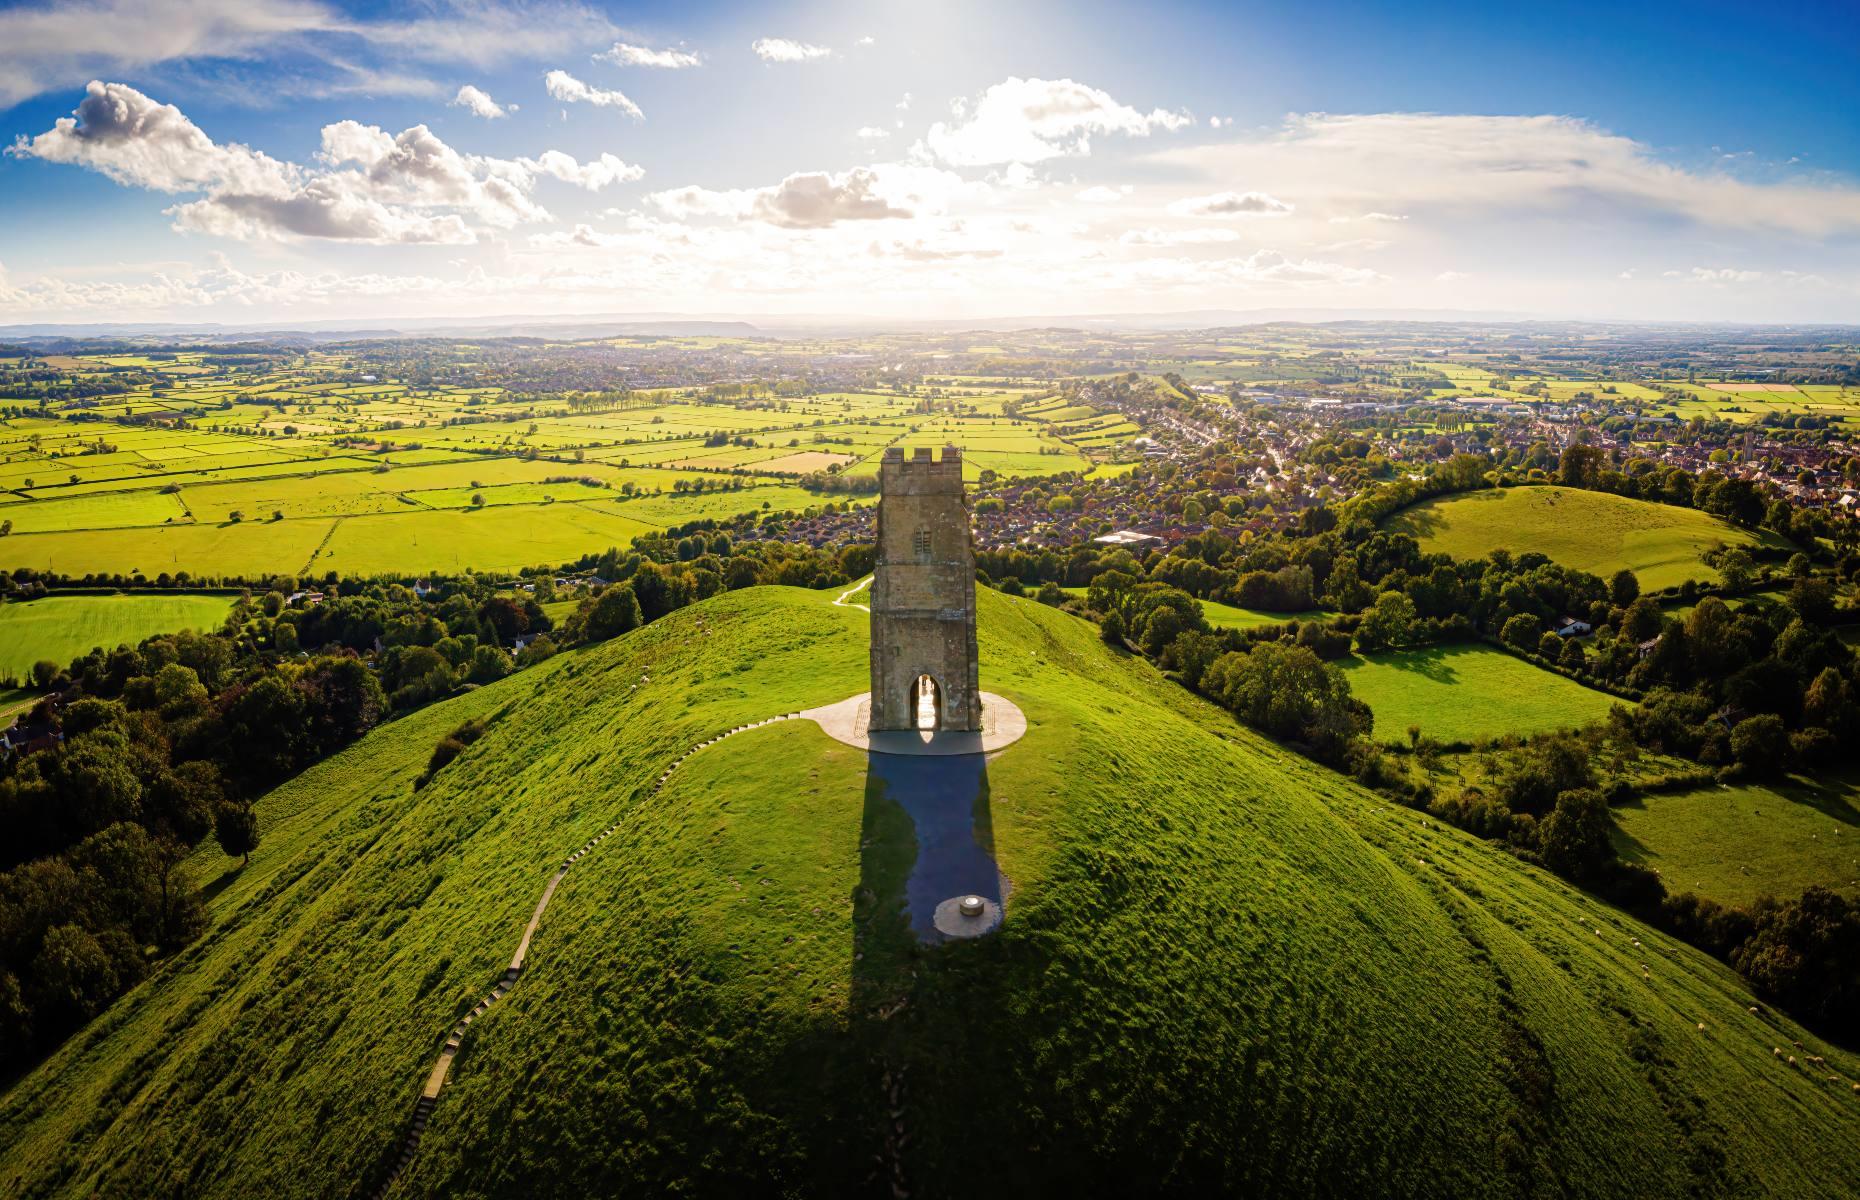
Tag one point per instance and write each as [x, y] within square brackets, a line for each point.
[923, 594]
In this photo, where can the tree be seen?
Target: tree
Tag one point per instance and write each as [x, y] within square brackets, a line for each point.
[616, 612]
[44, 672]
[1806, 954]
[236, 829]
[1735, 565]
[1760, 743]
[489, 664]
[1580, 465]
[1813, 600]
[1389, 622]
[1643, 620]
[1520, 630]
[72, 977]
[1574, 836]
[1624, 588]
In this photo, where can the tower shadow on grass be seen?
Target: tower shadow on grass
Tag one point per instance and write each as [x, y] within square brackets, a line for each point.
[926, 836]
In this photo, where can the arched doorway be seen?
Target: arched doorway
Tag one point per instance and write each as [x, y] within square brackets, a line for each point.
[926, 704]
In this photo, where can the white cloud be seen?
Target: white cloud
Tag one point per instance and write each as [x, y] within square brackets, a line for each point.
[787, 50]
[1390, 166]
[627, 55]
[1231, 204]
[1177, 237]
[1716, 275]
[867, 40]
[56, 45]
[367, 185]
[1270, 266]
[569, 90]
[1031, 120]
[905, 103]
[806, 200]
[1451, 276]
[593, 175]
[1099, 194]
[60, 44]
[123, 134]
[872, 133]
[484, 33]
[1218, 122]
[479, 103]
[322, 208]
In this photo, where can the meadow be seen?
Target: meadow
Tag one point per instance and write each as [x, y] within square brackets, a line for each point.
[1736, 843]
[1589, 531]
[1466, 693]
[302, 468]
[1315, 990]
[1228, 616]
[60, 628]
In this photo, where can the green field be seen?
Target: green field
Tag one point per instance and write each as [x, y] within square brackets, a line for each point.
[285, 486]
[1224, 969]
[1733, 844]
[60, 628]
[1228, 616]
[1469, 692]
[1589, 531]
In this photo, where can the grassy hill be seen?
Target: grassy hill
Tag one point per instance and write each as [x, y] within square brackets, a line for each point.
[1590, 531]
[1467, 692]
[1223, 968]
[62, 627]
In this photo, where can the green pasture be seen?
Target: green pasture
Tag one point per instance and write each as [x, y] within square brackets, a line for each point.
[1467, 693]
[1735, 843]
[60, 628]
[1589, 531]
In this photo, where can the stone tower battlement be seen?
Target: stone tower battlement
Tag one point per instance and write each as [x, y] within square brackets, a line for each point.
[923, 594]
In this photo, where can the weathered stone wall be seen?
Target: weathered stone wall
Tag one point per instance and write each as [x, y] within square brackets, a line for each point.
[923, 593]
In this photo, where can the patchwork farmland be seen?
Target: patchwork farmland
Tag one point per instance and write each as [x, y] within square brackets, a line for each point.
[213, 466]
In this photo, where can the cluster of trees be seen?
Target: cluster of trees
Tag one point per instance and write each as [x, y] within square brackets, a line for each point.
[161, 746]
[1283, 688]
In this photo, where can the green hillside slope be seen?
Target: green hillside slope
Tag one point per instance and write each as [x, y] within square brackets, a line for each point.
[1590, 531]
[1222, 968]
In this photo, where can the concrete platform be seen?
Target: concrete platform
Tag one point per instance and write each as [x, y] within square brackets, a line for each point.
[1003, 724]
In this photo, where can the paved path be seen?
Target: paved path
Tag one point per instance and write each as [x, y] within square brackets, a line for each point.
[1003, 724]
[845, 598]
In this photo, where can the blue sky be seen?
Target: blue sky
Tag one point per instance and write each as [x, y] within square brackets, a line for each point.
[278, 160]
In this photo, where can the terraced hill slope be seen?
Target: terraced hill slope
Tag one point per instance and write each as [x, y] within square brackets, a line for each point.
[1222, 967]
